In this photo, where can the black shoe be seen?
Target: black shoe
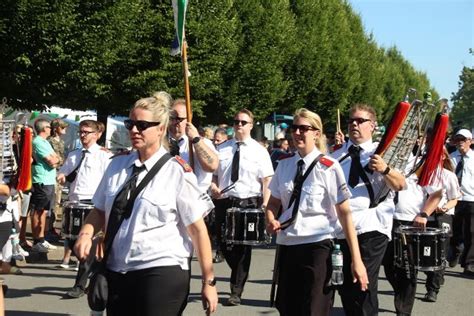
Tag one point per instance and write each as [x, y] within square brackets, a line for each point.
[453, 260]
[218, 258]
[469, 270]
[75, 292]
[431, 296]
[234, 300]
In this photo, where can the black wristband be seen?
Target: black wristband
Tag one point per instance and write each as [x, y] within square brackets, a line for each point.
[196, 140]
[423, 215]
[386, 171]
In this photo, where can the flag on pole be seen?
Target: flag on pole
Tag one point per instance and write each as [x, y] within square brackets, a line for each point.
[179, 10]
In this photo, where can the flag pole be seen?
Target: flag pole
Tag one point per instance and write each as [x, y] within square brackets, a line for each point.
[187, 95]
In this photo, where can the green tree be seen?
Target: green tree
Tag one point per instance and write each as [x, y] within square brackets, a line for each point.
[463, 100]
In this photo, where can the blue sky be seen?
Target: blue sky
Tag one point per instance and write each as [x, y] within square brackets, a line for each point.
[433, 35]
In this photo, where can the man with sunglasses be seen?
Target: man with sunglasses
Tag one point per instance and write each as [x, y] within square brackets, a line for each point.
[463, 227]
[241, 183]
[43, 172]
[83, 169]
[365, 174]
[180, 132]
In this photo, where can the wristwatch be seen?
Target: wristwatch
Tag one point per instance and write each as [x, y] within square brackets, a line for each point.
[210, 282]
[386, 171]
[196, 140]
[423, 215]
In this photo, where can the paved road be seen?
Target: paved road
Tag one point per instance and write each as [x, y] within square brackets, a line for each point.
[40, 291]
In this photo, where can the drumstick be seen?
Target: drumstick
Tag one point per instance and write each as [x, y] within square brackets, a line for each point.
[338, 126]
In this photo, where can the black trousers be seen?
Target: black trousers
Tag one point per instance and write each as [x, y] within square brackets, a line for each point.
[463, 230]
[403, 286]
[433, 278]
[159, 291]
[238, 257]
[372, 249]
[303, 279]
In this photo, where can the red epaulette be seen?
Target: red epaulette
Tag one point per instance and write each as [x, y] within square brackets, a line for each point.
[325, 161]
[183, 163]
[285, 156]
[122, 153]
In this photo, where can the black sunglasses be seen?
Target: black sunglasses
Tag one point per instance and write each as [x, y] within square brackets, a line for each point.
[177, 119]
[141, 125]
[358, 120]
[237, 122]
[302, 128]
[85, 132]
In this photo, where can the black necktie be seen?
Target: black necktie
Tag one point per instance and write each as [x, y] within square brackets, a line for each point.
[459, 169]
[119, 207]
[72, 176]
[234, 176]
[295, 196]
[174, 147]
[356, 166]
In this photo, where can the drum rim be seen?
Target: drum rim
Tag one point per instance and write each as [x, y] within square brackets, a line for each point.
[77, 204]
[419, 231]
[244, 210]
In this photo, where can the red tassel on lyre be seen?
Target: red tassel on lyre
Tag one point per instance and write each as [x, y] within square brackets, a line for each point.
[396, 122]
[434, 156]
[24, 177]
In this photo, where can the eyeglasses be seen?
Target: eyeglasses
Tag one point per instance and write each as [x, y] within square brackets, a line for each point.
[358, 120]
[302, 128]
[460, 139]
[177, 119]
[237, 122]
[141, 125]
[85, 132]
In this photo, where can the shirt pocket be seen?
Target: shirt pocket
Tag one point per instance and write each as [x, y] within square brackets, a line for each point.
[312, 197]
[155, 210]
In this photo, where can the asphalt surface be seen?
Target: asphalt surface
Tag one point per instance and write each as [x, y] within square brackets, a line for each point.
[42, 287]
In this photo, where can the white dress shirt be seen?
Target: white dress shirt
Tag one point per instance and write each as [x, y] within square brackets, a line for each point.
[90, 172]
[155, 234]
[467, 185]
[204, 178]
[255, 165]
[379, 218]
[324, 187]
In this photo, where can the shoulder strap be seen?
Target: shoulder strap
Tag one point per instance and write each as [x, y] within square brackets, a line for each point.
[295, 196]
[153, 171]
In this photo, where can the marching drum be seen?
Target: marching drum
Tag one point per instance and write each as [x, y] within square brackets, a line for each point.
[74, 215]
[245, 227]
[423, 248]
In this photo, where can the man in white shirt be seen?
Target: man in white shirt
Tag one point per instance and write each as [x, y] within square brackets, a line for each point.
[463, 227]
[83, 169]
[180, 132]
[240, 182]
[372, 221]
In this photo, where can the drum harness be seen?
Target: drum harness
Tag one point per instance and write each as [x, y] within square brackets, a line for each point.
[295, 196]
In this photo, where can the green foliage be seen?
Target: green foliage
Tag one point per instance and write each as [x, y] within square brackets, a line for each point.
[266, 55]
[462, 114]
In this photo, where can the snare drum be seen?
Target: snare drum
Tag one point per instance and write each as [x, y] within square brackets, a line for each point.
[74, 215]
[425, 248]
[245, 227]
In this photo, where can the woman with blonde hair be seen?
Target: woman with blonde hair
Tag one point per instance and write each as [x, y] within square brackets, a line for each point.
[313, 194]
[148, 266]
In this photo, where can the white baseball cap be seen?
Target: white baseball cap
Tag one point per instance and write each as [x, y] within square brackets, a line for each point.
[464, 132]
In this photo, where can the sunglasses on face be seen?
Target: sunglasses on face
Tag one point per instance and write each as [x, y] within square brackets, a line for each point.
[85, 132]
[237, 122]
[177, 119]
[358, 120]
[141, 125]
[302, 128]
